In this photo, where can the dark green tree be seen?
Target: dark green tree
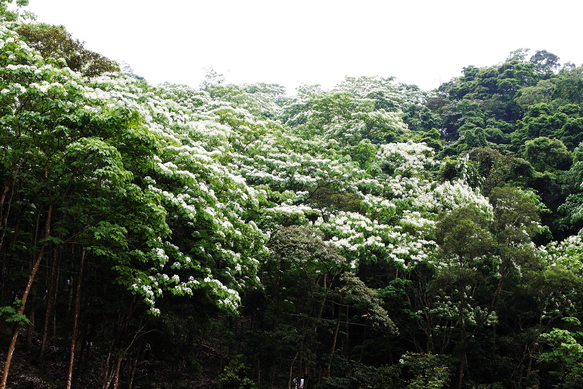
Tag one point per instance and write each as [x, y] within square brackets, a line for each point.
[56, 44]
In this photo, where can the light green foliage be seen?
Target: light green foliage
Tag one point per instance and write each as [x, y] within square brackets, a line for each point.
[542, 92]
[544, 121]
[480, 254]
[572, 208]
[569, 83]
[516, 215]
[303, 246]
[7, 12]
[430, 371]
[347, 116]
[234, 376]
[567, 253]
[10, 315]
[566, 353]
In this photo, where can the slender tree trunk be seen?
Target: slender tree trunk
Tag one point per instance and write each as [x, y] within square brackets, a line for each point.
[113, 373]
[133, 368]
[364, 333]
[5, 295]
[30, 329]
[51, 298]
[74, 335]
[6, 200]
[333, 348]
[117, 372]
[291, 370]
[462, 364]
[25, 294]
[107, 376]
[3, 227]
[347, 329]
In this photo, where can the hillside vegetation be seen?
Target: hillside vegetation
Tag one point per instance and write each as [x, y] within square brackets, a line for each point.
[373, 235]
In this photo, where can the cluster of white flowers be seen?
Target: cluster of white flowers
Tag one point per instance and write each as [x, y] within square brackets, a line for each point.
[407, 158]
[450, 195]
[358, 236]
[568, 253]
[447, 308]
[414, 219]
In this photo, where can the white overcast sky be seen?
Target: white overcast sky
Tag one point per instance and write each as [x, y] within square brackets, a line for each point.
[291, 42]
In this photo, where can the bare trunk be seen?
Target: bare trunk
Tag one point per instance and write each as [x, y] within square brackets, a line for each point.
[76, 321]
[291, 370]
[134, 367]
[6, 201]
[25, 294]
[30, 329]
[107, 377]
[333, 349]
[117, 372]
[462, 366]
[51, 298]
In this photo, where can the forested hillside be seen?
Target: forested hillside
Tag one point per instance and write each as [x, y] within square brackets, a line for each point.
[373, 235]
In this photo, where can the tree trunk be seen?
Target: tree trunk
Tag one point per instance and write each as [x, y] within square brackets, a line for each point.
[107, 376]
[133, 368]
[30, 329]
[460, 380]
[115, 384]
[25, 294]
[462, 365]
[291, 370]
[333, 349]
[6, 200]
[51, 298]
[20, 311]
[76, 313]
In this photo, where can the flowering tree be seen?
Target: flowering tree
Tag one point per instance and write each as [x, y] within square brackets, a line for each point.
[116, 175]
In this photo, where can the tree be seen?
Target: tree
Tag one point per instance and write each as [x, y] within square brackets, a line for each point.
[480, 257]
[346, 118]
[569, 82]
[542, 92]
[545, 154]
[56, 44]
[98, 173]
[8, 14]
[566, 352]
[545, 62]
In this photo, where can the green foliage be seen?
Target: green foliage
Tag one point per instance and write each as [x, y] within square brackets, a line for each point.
[358, 294]
[56, 44]
[566, 353]
[546, 154]
[355, 375]
[325, 221]
[6, 13]
[10, 315]
[499, 170]
[353, 112]
[234, 376]
[415, 371]
[569, 82]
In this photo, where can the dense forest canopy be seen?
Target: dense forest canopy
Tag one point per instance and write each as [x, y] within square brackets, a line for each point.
[373, 235]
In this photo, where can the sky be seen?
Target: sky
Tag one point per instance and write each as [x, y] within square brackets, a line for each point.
[294, 42]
